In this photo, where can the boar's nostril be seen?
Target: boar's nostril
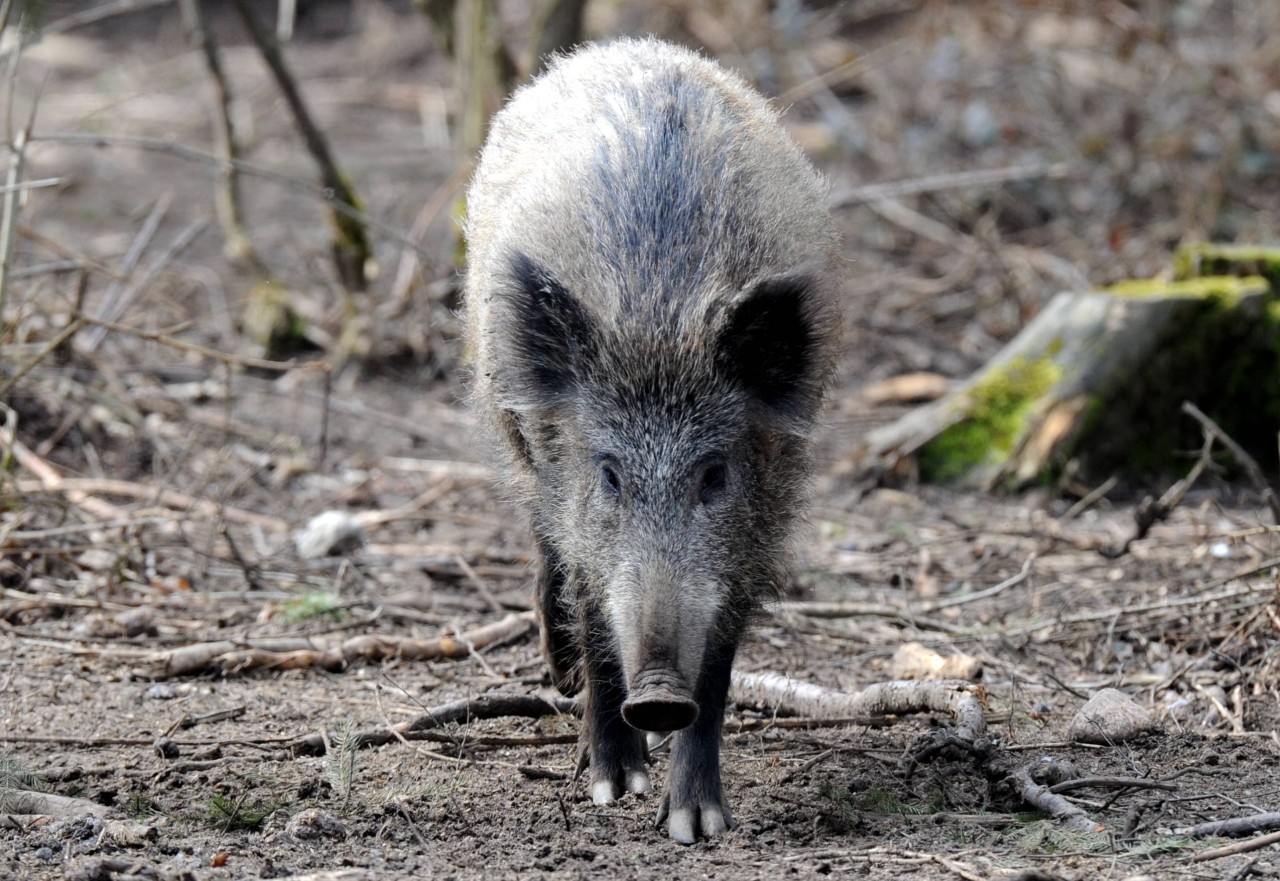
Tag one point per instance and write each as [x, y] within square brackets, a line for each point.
[659, 709]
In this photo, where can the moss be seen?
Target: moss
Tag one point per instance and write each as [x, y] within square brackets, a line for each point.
[351, 249]
[999, 405]
[1201, 259]
[270, 321]
[1225, 288]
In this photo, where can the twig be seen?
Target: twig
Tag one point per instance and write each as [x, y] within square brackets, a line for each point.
[51, 481]
[9, 218]
[936, 182]
[68, 253]
[107, 309]
[175, 343]
[99, 13]
[1088, 500]
[238, 246]
[847, 609]
[480, 586]
[1238, 848]
[172, 148]
[1246, 461]
[324, 420]
[1011, 581]
[489, 706]
[1111, 783]
[81, 491]
[247, 568]
[1152, 511]
[351, 249]
[180, 243]
[412, 260]
[53, 345]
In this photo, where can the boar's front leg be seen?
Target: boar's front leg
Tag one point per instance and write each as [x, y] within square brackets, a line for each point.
[693, 802]
[615, 750]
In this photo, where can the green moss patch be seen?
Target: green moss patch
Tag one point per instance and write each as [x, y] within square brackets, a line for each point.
[1000, 404]
[1227, 288]
[1202, 259]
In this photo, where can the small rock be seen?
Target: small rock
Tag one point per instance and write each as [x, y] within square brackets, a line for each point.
[315, 823]
[167, 691]
[1109, 717]
[1049, 771]
[978, 126]
[332, 532]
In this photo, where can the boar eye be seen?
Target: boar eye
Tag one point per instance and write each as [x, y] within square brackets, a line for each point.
[713, 481]
[609, 480]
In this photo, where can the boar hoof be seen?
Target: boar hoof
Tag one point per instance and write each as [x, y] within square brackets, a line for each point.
[710, 818]
[605, 792]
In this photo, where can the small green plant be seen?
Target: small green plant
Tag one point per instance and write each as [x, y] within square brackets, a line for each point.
[1044, 836]
[849, 806]
[341, 752]
[241, 813]
[310, 605]
[15, 775]
[140, 806]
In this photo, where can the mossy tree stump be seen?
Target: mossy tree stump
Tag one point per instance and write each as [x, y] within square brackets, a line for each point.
[1100, 378]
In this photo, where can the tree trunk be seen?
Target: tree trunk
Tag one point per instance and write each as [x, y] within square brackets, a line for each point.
[1100, 378]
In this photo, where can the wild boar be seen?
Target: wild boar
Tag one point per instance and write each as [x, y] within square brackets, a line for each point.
[652, 317]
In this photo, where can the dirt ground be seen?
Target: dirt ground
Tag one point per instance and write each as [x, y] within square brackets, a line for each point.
[160, 489]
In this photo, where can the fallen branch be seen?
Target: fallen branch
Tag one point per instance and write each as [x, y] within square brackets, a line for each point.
[1041, 798]
[962, 700]
[236, 657]
[1238, 848]
[489, 706]
[1234, 828]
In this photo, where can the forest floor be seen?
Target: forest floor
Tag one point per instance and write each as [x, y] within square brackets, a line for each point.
[152, 493]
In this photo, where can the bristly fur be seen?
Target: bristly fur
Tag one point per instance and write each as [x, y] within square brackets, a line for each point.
[652, 320]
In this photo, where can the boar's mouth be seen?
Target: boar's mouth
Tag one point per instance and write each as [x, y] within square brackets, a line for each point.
[659, 700]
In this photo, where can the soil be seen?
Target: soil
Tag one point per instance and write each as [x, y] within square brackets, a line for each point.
[1167, 117]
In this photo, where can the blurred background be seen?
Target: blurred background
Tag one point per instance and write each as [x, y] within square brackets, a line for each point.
[1126, 128]
[229, 285]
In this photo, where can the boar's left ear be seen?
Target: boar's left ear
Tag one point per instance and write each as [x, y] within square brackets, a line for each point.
[553, 335]
[771, 344]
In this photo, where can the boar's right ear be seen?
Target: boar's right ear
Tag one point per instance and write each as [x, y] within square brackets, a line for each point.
[553, 336]
[771, 344]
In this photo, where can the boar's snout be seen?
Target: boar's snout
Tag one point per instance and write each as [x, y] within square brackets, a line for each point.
[659, 700]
